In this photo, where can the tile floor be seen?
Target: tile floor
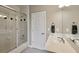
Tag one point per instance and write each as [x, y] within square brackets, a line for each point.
[34, 50]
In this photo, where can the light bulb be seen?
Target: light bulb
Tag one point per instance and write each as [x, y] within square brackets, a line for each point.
[0, 15]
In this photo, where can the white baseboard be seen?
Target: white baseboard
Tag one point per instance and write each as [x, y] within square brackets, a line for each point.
[36, 48]
[30, 46]
[20, 48]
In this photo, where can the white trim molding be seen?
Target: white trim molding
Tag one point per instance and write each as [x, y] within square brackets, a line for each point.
[20, 48]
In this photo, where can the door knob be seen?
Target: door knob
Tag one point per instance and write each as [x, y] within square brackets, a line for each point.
[42, 33]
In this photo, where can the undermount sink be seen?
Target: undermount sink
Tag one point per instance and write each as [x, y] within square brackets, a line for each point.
[57, 39]
[76, 41]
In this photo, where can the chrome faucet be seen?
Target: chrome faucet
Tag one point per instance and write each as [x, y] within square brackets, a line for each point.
[61, 39]
[73, 40]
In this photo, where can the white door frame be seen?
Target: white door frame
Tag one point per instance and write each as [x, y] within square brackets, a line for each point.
[45, 30]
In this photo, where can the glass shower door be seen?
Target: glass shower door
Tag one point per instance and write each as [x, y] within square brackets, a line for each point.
[22, 29]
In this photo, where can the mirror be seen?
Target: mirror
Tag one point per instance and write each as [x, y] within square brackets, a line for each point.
[70, 20]
[53, 28]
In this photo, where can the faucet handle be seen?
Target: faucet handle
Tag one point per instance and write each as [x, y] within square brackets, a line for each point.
[62, 39]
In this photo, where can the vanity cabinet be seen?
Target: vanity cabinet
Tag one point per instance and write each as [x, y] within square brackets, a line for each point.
[54, 44]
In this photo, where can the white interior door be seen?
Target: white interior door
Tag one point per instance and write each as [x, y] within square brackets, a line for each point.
[38, 29]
